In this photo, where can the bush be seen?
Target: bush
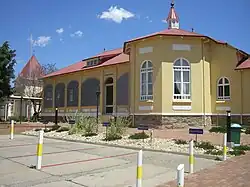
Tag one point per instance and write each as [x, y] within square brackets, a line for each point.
[214, 152]
[236, 152]
[84, 125]
[117, 128]
[47, 130]
[90, 134]
[179, 141]
[205, 145]
[247, 130]
[242, 147]
[140, 135]
[219, 129]
[55, 127]
[62, 129]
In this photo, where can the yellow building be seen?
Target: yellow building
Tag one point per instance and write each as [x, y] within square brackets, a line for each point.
[173, 77]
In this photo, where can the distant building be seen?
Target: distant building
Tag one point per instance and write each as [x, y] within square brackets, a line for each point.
[166, 78]
[28, 92]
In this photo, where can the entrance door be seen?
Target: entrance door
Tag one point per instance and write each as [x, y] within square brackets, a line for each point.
[109, 96]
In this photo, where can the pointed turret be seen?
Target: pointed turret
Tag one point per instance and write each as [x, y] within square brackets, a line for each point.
[173, 19]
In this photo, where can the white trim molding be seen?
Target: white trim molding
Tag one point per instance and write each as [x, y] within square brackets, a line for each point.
[223, 108]
[181, 107]
[146, 108]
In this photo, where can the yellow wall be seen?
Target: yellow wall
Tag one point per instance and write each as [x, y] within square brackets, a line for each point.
[246, 91]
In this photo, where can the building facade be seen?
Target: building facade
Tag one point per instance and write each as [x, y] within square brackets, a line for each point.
[172, 78]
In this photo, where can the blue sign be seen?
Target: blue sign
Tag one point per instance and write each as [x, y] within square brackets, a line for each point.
[105, 124]
[195, 131]
[142, 127]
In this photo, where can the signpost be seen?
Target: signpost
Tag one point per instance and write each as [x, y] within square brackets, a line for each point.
[106, 124]
[195, 131]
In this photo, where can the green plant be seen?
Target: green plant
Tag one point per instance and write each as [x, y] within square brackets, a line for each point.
[218, 159]
[47, 130]
[117, 128]
[237, 152]
[218, 129]
[242, 147]
[179, 141]
[247, 130]
[62, 129]
[90, 134]
[55, 127]
[204, 145]
[140, 135]
[214, 152]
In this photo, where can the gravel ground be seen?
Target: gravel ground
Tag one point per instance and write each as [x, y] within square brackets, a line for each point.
[156, 143]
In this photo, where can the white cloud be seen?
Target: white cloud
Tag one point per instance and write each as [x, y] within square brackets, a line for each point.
[164, 21]
[41, 41]
[116, 14]
[77, 34]
[60, 31]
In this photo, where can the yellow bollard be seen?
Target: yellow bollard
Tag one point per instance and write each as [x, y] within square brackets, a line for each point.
[39, 150]
[139, 170]
[180, 175]
[225, 147]
[191, 156]
[12, 129]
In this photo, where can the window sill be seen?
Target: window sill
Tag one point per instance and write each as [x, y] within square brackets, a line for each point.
[222, 101]
[146, 101]
[182, 101]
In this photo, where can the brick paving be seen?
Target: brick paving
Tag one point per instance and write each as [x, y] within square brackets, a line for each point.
[231, 173]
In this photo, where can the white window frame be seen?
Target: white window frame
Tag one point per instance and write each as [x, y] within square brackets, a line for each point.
[146, 71]
[223, 97]
[182, 69]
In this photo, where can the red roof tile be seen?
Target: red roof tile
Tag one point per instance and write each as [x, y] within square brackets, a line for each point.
[31, 69]
[119, 57]
[244, 65]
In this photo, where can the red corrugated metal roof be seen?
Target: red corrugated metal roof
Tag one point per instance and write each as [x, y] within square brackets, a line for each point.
[119, 57]
[244, 65]
[31, 69]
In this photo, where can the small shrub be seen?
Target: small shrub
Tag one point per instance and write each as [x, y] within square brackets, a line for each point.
[214, 152]
[242, 147]
[180, 142]
[140, 135]
[117, 128]
[47, 130]
[247, 130]
[218, 159]
[219, 129]
[62, 129]
[236, 152]
[204, 145]
[55, 127]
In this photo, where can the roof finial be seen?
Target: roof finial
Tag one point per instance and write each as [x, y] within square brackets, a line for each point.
[172, 4]
[173, 19]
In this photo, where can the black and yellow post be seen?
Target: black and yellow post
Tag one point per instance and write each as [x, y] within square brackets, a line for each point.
[229, 127]
[56, 116]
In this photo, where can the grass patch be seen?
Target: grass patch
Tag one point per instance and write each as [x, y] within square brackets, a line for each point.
[218, 129]
[112, 138]
[180, 142]
[247, 130]
[140, 135]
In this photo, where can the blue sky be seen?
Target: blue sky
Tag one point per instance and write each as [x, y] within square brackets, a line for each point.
[65, 32]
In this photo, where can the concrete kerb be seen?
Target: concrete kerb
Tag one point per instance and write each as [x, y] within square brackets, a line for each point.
[211, 157]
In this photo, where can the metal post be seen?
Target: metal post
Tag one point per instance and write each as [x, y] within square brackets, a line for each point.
[12, 129]
[39, 150]
[139, 170]
[228, 126]
[180, 175]
[191, 156]
[21, 109]
[97, 103]
[225, 147]
[56, 116]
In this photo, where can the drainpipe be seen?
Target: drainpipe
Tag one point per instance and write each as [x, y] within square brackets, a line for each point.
[241, 98]
[134, 84]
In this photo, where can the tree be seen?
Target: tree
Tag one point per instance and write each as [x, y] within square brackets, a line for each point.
[33, 86]
[7, 63]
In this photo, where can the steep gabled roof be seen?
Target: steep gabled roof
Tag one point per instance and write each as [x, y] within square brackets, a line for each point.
[113, 57]
[32, 69]
[244, 65]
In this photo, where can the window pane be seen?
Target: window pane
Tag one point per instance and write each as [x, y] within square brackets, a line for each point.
[143, 77]
[177, 88]
[71, 96]
[150, 89]
[177, 76]
[220, 91]
[185, 76]
[144, 65]
[184, 63]
[186, 89]
[150, 77]
[150, 65]
[143, 89]
[221, 81]
[227, 91]
[226, 81]
[177, 62]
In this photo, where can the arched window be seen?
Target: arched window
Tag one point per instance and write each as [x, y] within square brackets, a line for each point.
[223, 89]
[182, 83]
[72, 93]
[88, 92]
[59, 95]
[146, 81]
[48, 96]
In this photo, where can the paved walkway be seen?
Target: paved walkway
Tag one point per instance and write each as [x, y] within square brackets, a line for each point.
[231, 173]
[74, 164]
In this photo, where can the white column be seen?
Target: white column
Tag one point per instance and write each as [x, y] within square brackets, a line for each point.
[12, 129]
[39, 150]
[225, 147]
[191, 156]
[139, 170]
[180, 175]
